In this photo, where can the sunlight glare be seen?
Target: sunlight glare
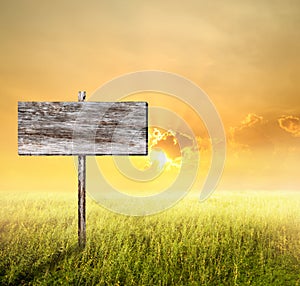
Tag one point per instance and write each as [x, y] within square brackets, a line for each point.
[158, 156]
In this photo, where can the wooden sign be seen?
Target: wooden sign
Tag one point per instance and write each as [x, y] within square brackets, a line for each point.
[82, 128]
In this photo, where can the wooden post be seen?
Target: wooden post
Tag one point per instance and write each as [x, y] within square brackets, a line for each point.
[81, 191]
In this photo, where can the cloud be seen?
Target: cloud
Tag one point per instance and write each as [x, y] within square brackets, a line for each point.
[165, 140]
[250, 120]
[204, 144]
[290, 124]
[177, 146]
[248, 133]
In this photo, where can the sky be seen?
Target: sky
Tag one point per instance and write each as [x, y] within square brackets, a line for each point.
[245, 55]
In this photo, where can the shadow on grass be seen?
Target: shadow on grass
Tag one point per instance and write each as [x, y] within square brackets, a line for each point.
[49, 264]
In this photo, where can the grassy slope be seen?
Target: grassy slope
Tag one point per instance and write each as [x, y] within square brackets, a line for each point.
[231, 239]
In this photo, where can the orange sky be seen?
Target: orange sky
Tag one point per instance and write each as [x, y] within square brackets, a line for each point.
[243, 54]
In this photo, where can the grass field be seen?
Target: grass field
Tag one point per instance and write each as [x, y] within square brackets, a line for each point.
[244, 238]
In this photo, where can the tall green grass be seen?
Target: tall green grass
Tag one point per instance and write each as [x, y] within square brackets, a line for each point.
[241, 238]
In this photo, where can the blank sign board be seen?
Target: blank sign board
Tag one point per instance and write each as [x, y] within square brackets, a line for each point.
[82, 128]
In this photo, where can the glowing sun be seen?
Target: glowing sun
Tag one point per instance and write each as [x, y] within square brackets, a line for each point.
[158, 157]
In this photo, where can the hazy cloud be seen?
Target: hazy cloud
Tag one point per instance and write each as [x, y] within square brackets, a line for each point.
[251, 119]
[248, 132]
[290, 124]
[261, 155]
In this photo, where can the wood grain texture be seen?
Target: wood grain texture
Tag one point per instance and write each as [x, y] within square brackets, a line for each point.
[81, 200]
[82, 128]
[81, 191]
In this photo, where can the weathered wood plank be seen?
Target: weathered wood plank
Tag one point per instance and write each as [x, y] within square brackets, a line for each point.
[82, 128]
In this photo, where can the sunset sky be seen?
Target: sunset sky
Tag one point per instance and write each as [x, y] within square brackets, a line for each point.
[244, 54]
